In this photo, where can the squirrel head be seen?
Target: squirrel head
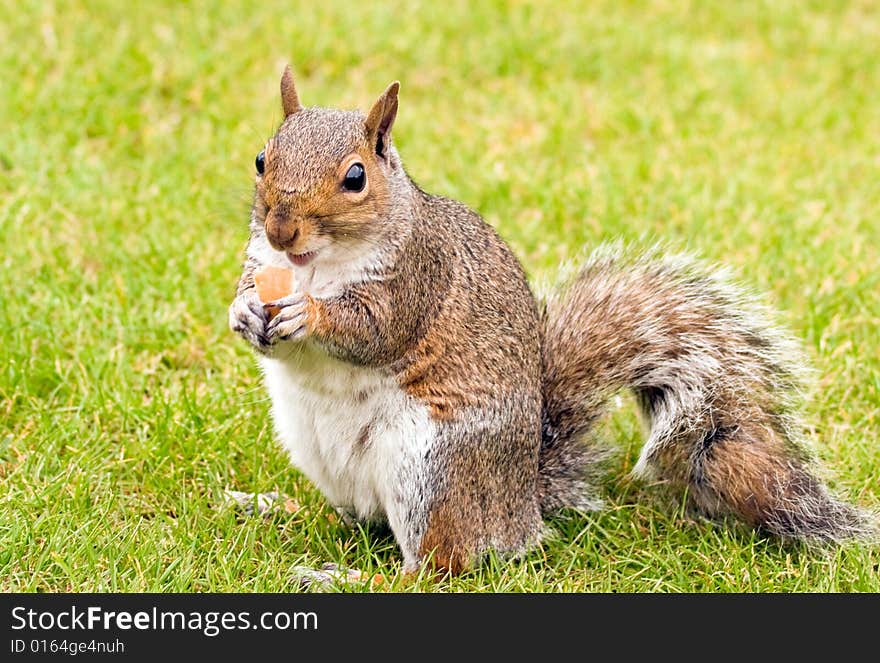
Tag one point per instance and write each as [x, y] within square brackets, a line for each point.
[325, 176]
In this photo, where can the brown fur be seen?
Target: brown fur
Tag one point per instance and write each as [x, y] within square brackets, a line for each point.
[289, 98]
[448, 313]
[440, 544]
[315, 204]
[717, 382]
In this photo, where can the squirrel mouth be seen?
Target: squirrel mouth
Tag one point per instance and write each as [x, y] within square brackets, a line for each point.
[301, 259]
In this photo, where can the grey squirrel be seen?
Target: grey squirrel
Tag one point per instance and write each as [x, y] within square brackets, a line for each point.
[416, 380]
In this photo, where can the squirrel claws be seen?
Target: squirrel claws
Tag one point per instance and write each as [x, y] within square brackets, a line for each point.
[248, 319]
[257, 308]
[284, 302]
[289, 323]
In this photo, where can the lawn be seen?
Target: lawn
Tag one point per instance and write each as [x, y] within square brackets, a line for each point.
[748, 133]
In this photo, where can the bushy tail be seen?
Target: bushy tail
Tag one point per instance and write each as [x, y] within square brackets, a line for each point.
[718, 383]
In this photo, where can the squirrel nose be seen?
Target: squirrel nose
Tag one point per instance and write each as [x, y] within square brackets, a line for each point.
[282, 233]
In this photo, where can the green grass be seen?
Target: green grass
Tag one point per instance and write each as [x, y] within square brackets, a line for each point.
[747, 132]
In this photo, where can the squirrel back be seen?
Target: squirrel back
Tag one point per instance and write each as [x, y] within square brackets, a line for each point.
[461, 412]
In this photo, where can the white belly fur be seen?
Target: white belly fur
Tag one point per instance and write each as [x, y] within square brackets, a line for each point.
[320, 406]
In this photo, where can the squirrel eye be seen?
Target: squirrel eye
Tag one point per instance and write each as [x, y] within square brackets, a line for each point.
[355, 178]
[260, 162]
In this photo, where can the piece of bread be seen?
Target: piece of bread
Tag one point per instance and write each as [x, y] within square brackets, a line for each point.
[273, 283]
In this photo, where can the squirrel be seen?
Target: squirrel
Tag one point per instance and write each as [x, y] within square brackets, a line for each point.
[416, 380]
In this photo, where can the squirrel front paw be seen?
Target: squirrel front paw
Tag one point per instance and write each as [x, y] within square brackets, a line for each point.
[289, 324]
[248, 318]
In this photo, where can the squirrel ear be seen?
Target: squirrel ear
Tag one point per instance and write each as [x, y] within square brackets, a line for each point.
[289, 97]
[381, 119]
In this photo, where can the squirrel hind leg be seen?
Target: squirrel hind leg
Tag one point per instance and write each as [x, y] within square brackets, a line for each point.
[456, 539]
[482, 496]
[752, 472]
